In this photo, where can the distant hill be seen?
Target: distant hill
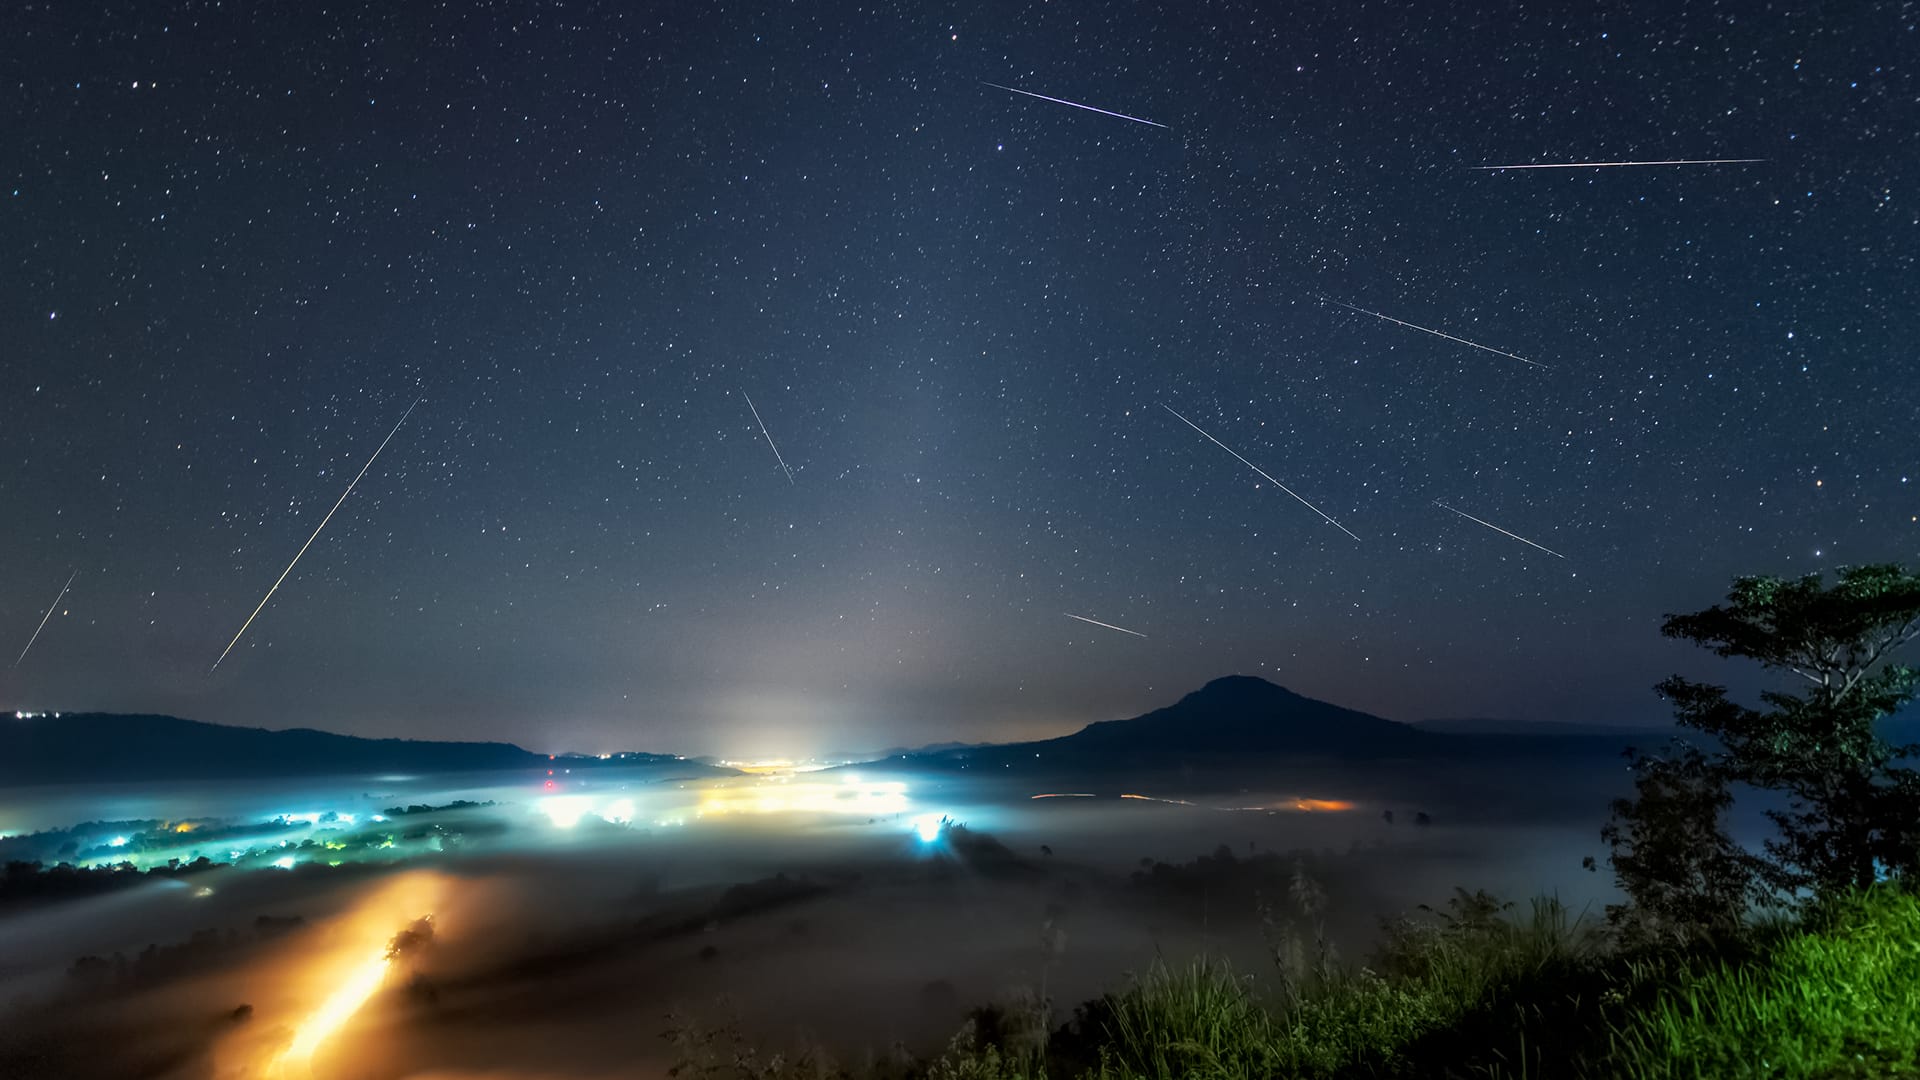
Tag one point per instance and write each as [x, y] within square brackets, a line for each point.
[97, 747]
[1241, 719]
[909, 751]
[1544, 728]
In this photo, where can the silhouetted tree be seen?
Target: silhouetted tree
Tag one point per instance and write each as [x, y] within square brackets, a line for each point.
[1684, 875]
[1853, 813]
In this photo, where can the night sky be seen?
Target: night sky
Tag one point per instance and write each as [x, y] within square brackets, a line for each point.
[238, 241]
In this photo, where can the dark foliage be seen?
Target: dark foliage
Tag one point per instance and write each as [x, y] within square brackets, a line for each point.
[1853, 811]
[25, 883]
[1672, 855]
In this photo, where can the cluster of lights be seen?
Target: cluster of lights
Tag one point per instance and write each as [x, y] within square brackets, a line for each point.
[567, 811]
[315, 817]
[850, 796]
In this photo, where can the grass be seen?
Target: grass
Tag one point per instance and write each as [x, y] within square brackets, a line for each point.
[1477, 990]
[1839, 998]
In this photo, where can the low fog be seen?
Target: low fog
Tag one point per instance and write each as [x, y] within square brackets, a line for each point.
[565, 931]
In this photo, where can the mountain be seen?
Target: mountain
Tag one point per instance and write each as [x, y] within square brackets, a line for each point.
[1243, 720]
[1235, 717]
[68, 748]
[908, 751]
[1540, 728]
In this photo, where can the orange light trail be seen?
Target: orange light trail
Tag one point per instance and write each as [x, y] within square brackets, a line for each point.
[352, 993]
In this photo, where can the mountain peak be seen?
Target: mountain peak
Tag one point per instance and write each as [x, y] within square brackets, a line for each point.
[1243, 687]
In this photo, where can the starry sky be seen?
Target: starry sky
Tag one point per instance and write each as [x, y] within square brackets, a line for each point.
[238, 241]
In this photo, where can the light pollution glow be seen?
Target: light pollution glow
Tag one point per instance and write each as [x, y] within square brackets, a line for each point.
[350, 976]
[761, 795]
[353, 992]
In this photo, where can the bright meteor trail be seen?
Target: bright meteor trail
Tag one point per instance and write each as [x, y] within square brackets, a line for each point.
[1097, 622]
[763, 431]
[1624, 164]
[1435, 333]
[315, 536]
[44, 618]
[1075, 104]
[1259, 470]
[1498, 529]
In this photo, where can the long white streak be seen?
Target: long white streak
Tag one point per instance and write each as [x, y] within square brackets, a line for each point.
[1259, 470]
[1435, 333]
[1624, 164]
[1075, 104]
[763, 431]
[44, 618]
[1498, 529]
[1108, 625]
[311, 539]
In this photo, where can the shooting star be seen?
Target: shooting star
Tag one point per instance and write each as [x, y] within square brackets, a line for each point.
[1259, 470]
[763, 431]
[315, 536]
[1075, 104]
[1109, 626]
[1498, 529]
[44, 618]
[1435, 333]
[1625, 164]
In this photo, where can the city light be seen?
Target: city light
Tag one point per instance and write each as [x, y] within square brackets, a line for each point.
[928, 827]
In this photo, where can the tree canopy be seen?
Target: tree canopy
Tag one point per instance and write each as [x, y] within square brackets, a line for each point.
[1853, 810]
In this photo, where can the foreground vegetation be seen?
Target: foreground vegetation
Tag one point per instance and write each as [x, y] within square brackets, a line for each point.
[1801, 960]
[1473, 990]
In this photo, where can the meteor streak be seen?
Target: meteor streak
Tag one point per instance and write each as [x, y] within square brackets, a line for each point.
[1435, 333]
[1624, 164]
[315, 536]
[1259, 470]
[44, 618]
[1075, 104]
[1109, 626]
[1498, 529]
[763, 431]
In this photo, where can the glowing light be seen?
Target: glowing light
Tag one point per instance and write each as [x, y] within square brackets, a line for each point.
[118, 841]
[284, 862]
[203, 891]
[928, 826]
[1322, 804]
[359, 985]
[565, 811]
[618, 812]
[847, 797]
[379, 817]
[184, 827]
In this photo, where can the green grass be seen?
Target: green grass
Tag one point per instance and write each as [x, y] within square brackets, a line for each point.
[1840, 998]
[1479, 991]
